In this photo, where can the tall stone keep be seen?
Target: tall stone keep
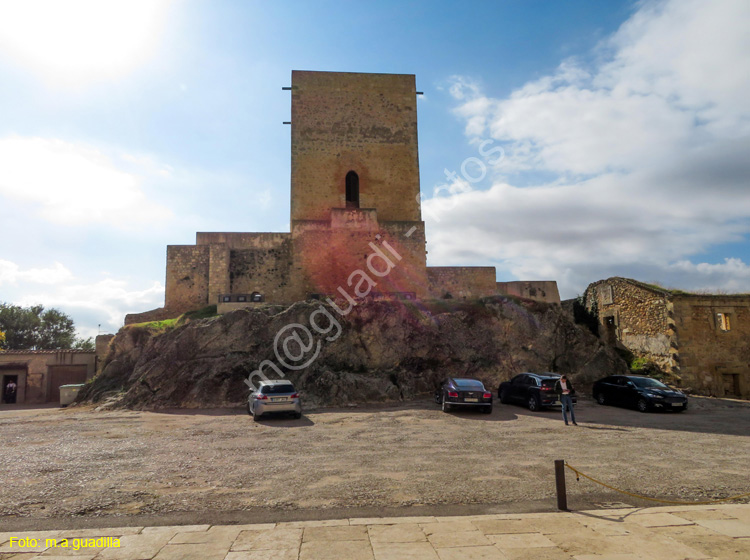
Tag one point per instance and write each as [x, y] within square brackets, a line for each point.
[355, 193]
[354, 123]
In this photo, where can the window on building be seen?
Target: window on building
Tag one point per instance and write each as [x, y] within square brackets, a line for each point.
[352, 190]
[722, 322]
[241, 298]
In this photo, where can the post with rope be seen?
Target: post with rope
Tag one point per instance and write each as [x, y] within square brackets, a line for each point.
[562, 496]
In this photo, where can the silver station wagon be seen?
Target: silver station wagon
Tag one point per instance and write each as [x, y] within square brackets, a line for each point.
[274, 396]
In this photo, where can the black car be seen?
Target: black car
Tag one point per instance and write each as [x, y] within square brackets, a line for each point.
[462, 391]
[643, 393]
[534, 390]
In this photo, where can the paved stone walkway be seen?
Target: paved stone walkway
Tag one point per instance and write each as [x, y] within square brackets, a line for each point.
[662, 533]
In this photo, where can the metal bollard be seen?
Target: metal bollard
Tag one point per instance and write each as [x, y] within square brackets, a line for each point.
[562, 496]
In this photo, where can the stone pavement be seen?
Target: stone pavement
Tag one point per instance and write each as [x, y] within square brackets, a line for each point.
[661, 533]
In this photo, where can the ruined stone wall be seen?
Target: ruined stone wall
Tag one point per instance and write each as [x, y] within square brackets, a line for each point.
[366, 123]
[461, 282]
[187, 277]
[537, 290]
[714, 361]
[636, 316]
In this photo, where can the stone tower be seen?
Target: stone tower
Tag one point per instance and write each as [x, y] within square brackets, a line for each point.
[354, 193]
[363, 124]
[355, 179]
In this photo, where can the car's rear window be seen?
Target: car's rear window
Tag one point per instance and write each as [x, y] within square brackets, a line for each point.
[276, 389]
[469, 384]
[549, 382]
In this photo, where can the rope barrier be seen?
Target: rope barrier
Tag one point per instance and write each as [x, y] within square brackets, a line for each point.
[579, 473]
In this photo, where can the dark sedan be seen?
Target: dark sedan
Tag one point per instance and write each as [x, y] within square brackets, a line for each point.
[533, 390]
[463, 392]
[643, 393]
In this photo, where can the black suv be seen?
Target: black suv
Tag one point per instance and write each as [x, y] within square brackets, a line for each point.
[534, 390]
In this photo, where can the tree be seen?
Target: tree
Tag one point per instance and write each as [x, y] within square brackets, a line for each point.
[34, 328]
[2, 340]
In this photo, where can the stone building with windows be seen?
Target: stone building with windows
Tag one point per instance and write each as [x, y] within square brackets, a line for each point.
[355, 206]
[702, 340]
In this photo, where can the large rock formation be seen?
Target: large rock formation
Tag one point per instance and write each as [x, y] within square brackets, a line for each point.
[380, 351]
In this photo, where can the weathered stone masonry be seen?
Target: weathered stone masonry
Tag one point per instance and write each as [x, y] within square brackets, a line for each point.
[703, 340]
[354, 190]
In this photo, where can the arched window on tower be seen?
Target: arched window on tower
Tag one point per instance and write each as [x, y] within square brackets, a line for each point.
[352, 190]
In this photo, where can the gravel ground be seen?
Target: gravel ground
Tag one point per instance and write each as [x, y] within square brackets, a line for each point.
[78, 462]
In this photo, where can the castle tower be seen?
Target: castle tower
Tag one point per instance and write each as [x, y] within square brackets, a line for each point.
[355, 181]
[354, 194]
[357, 131]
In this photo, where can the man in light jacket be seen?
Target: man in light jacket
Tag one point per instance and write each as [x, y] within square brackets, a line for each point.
[564, 389]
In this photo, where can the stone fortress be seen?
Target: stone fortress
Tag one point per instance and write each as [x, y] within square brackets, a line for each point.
[355, 192]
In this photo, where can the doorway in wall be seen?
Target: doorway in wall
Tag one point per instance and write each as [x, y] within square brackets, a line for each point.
[10, 389]
[610, 329]
[731, 384]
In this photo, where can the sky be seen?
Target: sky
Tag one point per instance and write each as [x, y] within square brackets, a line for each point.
[568, 141]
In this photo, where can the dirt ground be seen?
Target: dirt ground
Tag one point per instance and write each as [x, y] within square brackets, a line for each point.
[77, 462]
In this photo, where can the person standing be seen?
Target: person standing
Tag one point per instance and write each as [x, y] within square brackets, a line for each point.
[564, 390]
[10, 392]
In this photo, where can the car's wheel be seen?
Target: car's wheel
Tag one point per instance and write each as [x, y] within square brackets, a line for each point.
[487, 409]
[642, 405]
[503, 396]
[533, 403]
[446, 406]
[600, 398]
[297, 415]
[438, 397]
[249, 409]
[256, 416]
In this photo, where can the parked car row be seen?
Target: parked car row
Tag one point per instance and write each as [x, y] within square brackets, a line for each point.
[533, 390]
[536, 391]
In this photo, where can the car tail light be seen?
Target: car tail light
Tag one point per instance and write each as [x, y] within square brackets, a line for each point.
[487, 396]
[262, 397]
[545, 388]
[453, 395]
[294, 396]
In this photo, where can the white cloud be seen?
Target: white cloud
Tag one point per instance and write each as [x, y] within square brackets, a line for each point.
[11, 273]
[71, 184]
[89, 303]
[647, 151]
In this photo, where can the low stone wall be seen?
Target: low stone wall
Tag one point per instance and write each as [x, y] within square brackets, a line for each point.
[461, 282]
[537, 290]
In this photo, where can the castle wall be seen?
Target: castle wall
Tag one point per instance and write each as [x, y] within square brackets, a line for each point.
[234, 240]
[365, 123]
[465, 282]
[187, 283]
[265, 270]
[537, 290]
[714, 361]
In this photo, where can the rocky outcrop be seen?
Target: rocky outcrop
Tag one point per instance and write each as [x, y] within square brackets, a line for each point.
[380, 351]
